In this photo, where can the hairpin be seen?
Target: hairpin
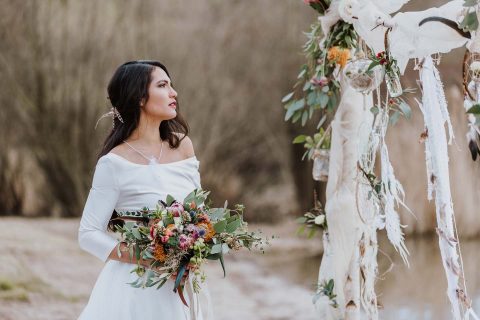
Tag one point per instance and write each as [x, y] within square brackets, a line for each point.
[112, 113]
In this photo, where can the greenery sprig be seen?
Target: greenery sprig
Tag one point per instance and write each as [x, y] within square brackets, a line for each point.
[326, 289]
[470, 20]
[313, 220]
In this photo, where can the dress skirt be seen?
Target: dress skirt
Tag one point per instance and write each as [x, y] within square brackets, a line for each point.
[113, 298]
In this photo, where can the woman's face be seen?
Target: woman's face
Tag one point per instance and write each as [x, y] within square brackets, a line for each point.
[162, 101]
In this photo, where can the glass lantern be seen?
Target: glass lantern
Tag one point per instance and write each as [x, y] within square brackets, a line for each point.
[394, 86]
[360, 78]
[321, 158]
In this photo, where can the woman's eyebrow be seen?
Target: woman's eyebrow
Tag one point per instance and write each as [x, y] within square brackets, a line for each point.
[162, 80]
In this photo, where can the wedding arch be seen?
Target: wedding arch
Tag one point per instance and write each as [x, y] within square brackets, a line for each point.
[353, 48]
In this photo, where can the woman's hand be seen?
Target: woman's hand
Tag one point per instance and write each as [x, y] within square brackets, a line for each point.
[146, 263]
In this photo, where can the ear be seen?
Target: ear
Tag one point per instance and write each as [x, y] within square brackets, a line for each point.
[142, 102]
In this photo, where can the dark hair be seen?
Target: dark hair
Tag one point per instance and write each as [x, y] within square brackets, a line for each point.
[126, 89]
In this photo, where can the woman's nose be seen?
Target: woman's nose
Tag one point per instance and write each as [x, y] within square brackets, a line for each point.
[173, 93]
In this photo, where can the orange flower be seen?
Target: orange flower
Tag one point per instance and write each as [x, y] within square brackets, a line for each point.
[332, 53]
[159, 253]
[209, 230]
[338, 55]
[343, 57]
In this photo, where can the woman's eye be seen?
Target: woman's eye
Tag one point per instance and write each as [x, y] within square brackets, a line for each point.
[162, 85]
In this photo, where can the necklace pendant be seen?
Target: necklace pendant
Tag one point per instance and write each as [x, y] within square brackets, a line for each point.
[152, 161]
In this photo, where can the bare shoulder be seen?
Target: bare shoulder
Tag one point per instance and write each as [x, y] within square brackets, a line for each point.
[186, 145]
[121, 150]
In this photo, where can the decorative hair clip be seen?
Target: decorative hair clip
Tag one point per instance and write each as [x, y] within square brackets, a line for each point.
[112, 113]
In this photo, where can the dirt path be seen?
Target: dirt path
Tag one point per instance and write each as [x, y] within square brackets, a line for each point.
[45, 275]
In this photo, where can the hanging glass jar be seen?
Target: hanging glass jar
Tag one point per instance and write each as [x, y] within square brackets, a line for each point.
[321, 158]
[394, 86]
[361, 78]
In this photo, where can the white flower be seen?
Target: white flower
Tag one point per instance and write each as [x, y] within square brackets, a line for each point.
[475, 70]
[160, 223]
[320, 219]
[475, 66]
[177, 221]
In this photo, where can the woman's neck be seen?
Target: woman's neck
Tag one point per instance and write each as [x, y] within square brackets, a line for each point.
[147, 132]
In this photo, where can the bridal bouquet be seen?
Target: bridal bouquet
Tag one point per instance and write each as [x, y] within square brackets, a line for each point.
[178, 238]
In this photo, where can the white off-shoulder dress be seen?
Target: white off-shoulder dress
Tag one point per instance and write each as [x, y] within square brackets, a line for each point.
[123, 185]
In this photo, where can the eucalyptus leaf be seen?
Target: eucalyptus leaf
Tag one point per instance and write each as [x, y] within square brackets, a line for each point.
[470, 3]
[475, 109]
[312, 98]
[136, 234]
[287, 97]
[217, 248]
[394, 118]
[225, 248]
[296, 117]
[323, 99]
[169, 200]
[302, 73]
[220, 226]
[470, 22]
[406, 110]
[322, 121]
[299, 139]
[304, 118]
[307, 86]
[234, 225]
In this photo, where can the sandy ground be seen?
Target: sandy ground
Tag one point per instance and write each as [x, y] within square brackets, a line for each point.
[45, 275]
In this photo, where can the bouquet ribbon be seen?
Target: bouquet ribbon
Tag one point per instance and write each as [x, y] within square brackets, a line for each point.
[199, 308]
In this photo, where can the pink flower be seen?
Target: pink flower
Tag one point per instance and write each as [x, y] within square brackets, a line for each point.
[175, 209]
[203, 217]
[164, 239]
[319, 82]
[184, 241]
[310, 1]
[152, 232]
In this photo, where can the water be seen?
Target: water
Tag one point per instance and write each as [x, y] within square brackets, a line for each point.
[418, 292]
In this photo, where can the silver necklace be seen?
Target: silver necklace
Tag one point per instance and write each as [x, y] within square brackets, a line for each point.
[151, 159]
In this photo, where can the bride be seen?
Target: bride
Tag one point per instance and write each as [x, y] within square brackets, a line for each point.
[146, 156]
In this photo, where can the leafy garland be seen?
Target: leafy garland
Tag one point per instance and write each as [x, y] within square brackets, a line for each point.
[317, 87]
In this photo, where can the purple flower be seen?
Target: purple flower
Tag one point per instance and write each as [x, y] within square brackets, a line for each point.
[193, 230]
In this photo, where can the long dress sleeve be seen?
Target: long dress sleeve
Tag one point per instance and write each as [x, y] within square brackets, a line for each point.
[196, 177]
[101, 201]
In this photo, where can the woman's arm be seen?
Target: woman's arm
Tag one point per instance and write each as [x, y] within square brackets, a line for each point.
[101, 201]
[125, 256]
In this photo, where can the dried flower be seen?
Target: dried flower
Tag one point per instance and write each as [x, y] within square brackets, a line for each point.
[209, 231]
[159, 253]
